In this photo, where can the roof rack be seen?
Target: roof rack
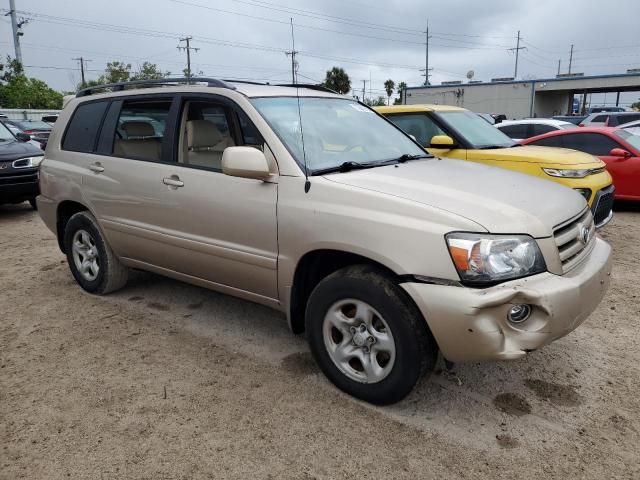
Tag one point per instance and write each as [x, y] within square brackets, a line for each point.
[310, 86]
[117, 87]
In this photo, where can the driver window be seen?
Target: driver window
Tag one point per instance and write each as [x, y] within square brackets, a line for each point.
[421, 126]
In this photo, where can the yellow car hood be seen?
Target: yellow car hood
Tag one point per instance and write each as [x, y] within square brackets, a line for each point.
[535, 154]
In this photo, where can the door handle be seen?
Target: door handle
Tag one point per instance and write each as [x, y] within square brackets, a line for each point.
[173, 181]
[96, 167]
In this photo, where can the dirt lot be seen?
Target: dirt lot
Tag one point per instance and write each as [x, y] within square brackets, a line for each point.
[165, 380]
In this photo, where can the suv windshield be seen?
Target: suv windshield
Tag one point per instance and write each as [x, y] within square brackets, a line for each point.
[474, 130]
[335, 131]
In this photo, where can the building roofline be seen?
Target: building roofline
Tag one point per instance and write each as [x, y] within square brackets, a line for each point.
[537, 80]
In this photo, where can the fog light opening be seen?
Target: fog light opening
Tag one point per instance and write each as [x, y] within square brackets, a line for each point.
[519, 313]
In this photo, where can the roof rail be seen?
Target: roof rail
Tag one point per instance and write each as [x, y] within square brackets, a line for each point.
[116, 87]
[248, 82]
[310, 86]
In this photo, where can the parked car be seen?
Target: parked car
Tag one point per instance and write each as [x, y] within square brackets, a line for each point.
[609, 119]
[19, 162]
[575, 119]
[38, 129]
[632, 127]
[531, 127]
[487, 117]
[617, 147]
[604, 108]
[455, 132]
[15, 130]
[381, 253]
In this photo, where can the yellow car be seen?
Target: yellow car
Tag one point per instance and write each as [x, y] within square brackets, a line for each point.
[447, 131]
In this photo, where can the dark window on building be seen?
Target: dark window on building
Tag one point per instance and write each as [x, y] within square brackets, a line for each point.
[593, 143]
[83, 127]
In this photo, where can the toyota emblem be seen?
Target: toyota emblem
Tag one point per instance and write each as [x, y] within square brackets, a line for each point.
[585, 235]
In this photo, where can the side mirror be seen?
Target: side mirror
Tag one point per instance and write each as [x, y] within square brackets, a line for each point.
[619, 152]
[245, 162]
[23, 137]
[442, 141]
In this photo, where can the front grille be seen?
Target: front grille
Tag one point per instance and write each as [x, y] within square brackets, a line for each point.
[575, 238]
[603, 205]
[16, 179]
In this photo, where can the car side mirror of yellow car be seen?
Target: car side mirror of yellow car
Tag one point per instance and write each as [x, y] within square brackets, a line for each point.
[444, 142]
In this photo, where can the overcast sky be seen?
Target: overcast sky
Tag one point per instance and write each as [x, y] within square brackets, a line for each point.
[369, 39]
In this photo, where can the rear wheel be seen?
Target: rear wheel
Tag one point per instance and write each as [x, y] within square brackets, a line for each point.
[367, 336]
[92, 262]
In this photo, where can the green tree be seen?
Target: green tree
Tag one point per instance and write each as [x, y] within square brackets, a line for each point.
[389, 86]
[378, 102]
[19, 91]
[149, 71]
[337, 80]
[636, 106]
[401, 88]
[116, 72]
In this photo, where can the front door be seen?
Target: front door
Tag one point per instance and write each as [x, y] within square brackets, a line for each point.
[220, 228]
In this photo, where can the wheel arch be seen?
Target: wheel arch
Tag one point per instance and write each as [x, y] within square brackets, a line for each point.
[316, 265]
[66, 209]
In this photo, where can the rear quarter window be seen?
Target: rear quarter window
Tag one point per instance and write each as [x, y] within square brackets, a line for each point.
[83, 127]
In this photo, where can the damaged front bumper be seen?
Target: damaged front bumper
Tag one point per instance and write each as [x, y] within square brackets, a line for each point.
[471, 324]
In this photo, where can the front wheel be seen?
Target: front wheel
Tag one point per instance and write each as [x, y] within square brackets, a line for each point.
[367, 336]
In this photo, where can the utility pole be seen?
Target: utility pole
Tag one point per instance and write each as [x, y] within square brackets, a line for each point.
[517, 50]
[293, 52]
[16, 28]
[82, 62]
[559, 61]
[426, 57]
[570, 58]
[188, 49]
[364, 89]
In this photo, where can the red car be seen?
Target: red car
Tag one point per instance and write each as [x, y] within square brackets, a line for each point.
[618, 148]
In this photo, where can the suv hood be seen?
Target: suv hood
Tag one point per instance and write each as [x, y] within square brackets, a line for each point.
[13, 150]
[501, 201]
[537, 154]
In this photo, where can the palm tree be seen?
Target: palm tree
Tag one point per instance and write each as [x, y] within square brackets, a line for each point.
[337, 80]
[401, 88]
[389, 85]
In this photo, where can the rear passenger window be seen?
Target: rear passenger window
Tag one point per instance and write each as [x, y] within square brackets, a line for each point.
[141, 129]
[515, 131]
[549, 142]
[539, 129]
[83, 127]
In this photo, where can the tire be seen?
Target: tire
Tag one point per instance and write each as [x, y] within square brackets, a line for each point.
[402, 349]
[103, 273]
[32, 202]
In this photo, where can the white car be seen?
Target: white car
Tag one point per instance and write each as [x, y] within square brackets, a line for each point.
[531, 127]
[632, 127]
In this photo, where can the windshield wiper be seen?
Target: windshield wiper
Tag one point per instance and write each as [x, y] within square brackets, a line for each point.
[344, 167]
[351, 165]
[492, 147]
[408, 156]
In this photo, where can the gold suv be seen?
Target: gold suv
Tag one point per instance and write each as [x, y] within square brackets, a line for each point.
[313, 204]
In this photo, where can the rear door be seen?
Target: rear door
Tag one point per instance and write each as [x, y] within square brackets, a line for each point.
[122, 178]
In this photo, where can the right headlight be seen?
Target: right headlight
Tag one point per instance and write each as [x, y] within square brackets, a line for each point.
[486, 259]
[572, 172]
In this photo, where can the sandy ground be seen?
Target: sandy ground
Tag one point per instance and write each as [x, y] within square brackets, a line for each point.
[165, 380]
